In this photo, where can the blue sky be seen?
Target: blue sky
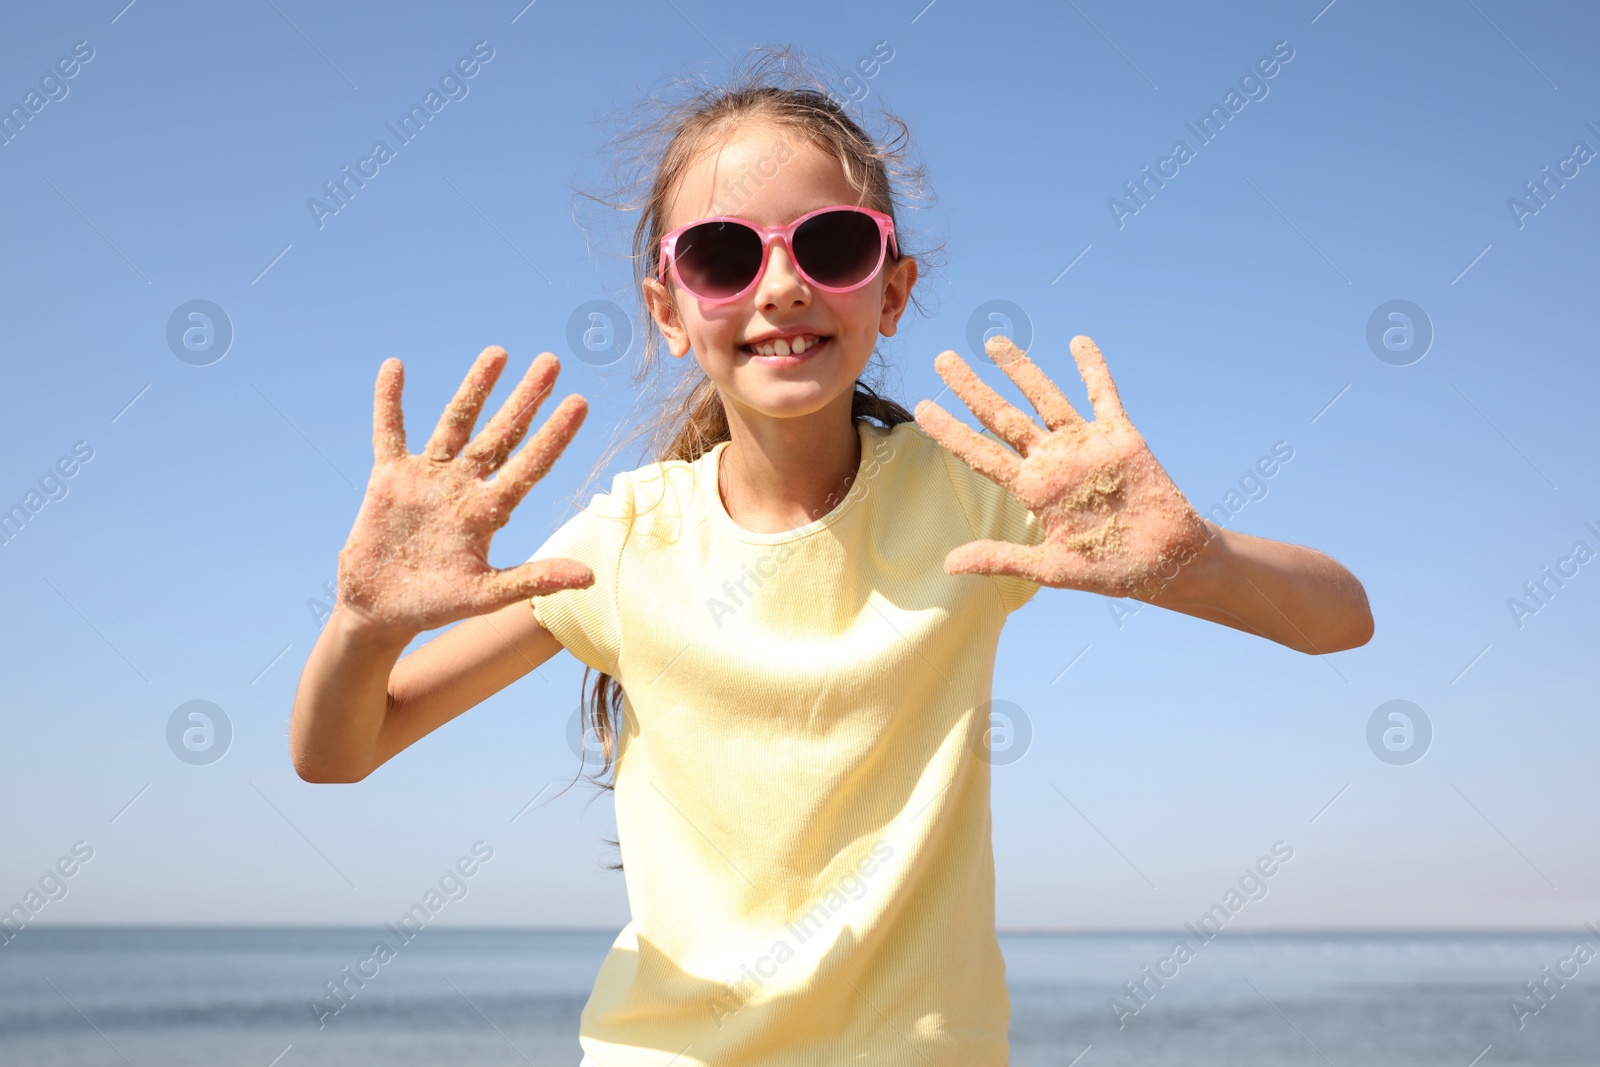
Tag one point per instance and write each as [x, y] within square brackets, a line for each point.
[1375, 165]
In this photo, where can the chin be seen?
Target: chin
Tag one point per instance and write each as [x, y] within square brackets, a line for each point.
[797, 401]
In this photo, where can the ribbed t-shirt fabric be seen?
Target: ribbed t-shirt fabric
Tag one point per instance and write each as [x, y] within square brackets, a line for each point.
[802, 798]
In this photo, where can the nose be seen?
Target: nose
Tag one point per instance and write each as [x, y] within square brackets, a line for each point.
[781, 284]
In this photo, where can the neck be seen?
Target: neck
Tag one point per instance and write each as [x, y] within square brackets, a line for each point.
[779, 474]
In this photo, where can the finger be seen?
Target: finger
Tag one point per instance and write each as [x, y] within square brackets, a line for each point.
[1029, 562]
[1102, 390]
[388, 419]
[537, 456]
[536, 578]
[989, 458]
[1051, 404]
[1019, 431]
[455, 425]
[1004, 558]
[491, 447]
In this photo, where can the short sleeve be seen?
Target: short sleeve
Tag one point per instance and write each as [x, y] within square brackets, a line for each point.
[995, 515]
[586, 621]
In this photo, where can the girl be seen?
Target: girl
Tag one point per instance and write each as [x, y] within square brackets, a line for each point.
[793, 612]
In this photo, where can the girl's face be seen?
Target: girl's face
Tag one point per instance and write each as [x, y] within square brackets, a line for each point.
[771, 176]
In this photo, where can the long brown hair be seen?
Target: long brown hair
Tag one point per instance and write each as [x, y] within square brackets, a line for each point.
[781, 88]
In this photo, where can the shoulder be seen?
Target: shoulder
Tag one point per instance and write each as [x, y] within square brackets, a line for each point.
[921, 455]
[655, 498]
[905, 443]
[900, 461]
[921, 465]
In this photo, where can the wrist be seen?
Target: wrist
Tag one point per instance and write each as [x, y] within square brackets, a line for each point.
[1197, 579]
[356, 629]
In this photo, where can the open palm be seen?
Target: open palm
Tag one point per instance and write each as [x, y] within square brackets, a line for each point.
[1115, 523]
[418, 555]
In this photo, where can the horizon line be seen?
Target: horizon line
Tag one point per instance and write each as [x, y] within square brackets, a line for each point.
[1003, 931]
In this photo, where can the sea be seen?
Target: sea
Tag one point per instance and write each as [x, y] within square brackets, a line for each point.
[234, 997]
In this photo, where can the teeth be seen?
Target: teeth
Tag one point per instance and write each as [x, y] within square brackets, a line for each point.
[784, 347]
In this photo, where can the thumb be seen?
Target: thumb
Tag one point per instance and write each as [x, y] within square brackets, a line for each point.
[990, 557]
[536, 578]
[1035, 563]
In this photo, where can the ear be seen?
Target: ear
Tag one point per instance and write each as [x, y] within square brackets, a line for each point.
[899, 277]
[658, 298]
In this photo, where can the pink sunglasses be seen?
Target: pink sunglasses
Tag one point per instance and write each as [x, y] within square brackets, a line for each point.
[837, 249]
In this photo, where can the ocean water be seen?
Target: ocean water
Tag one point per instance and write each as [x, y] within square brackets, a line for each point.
[214, 997]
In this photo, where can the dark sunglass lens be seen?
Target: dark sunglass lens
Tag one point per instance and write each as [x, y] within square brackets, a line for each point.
[717, 259]
[838, 248]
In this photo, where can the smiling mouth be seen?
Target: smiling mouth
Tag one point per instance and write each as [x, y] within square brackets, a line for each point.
[791, 346]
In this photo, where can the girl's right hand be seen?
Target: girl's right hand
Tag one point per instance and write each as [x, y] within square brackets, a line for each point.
[418, 555]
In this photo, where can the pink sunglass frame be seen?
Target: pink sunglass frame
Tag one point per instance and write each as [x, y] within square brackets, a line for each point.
[886, 244]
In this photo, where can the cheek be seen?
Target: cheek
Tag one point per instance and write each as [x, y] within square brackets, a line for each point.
[721, 335]
[711, 327]
[856, 314]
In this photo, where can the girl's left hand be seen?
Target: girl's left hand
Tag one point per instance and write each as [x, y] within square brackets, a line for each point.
[1115, 523]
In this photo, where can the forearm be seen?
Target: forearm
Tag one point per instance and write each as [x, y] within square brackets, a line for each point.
[1290, 594]
[342, 700]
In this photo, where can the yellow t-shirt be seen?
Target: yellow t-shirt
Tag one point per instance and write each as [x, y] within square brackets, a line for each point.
[802, 798]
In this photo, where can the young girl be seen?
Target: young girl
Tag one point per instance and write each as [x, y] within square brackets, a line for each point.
[794, 612]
